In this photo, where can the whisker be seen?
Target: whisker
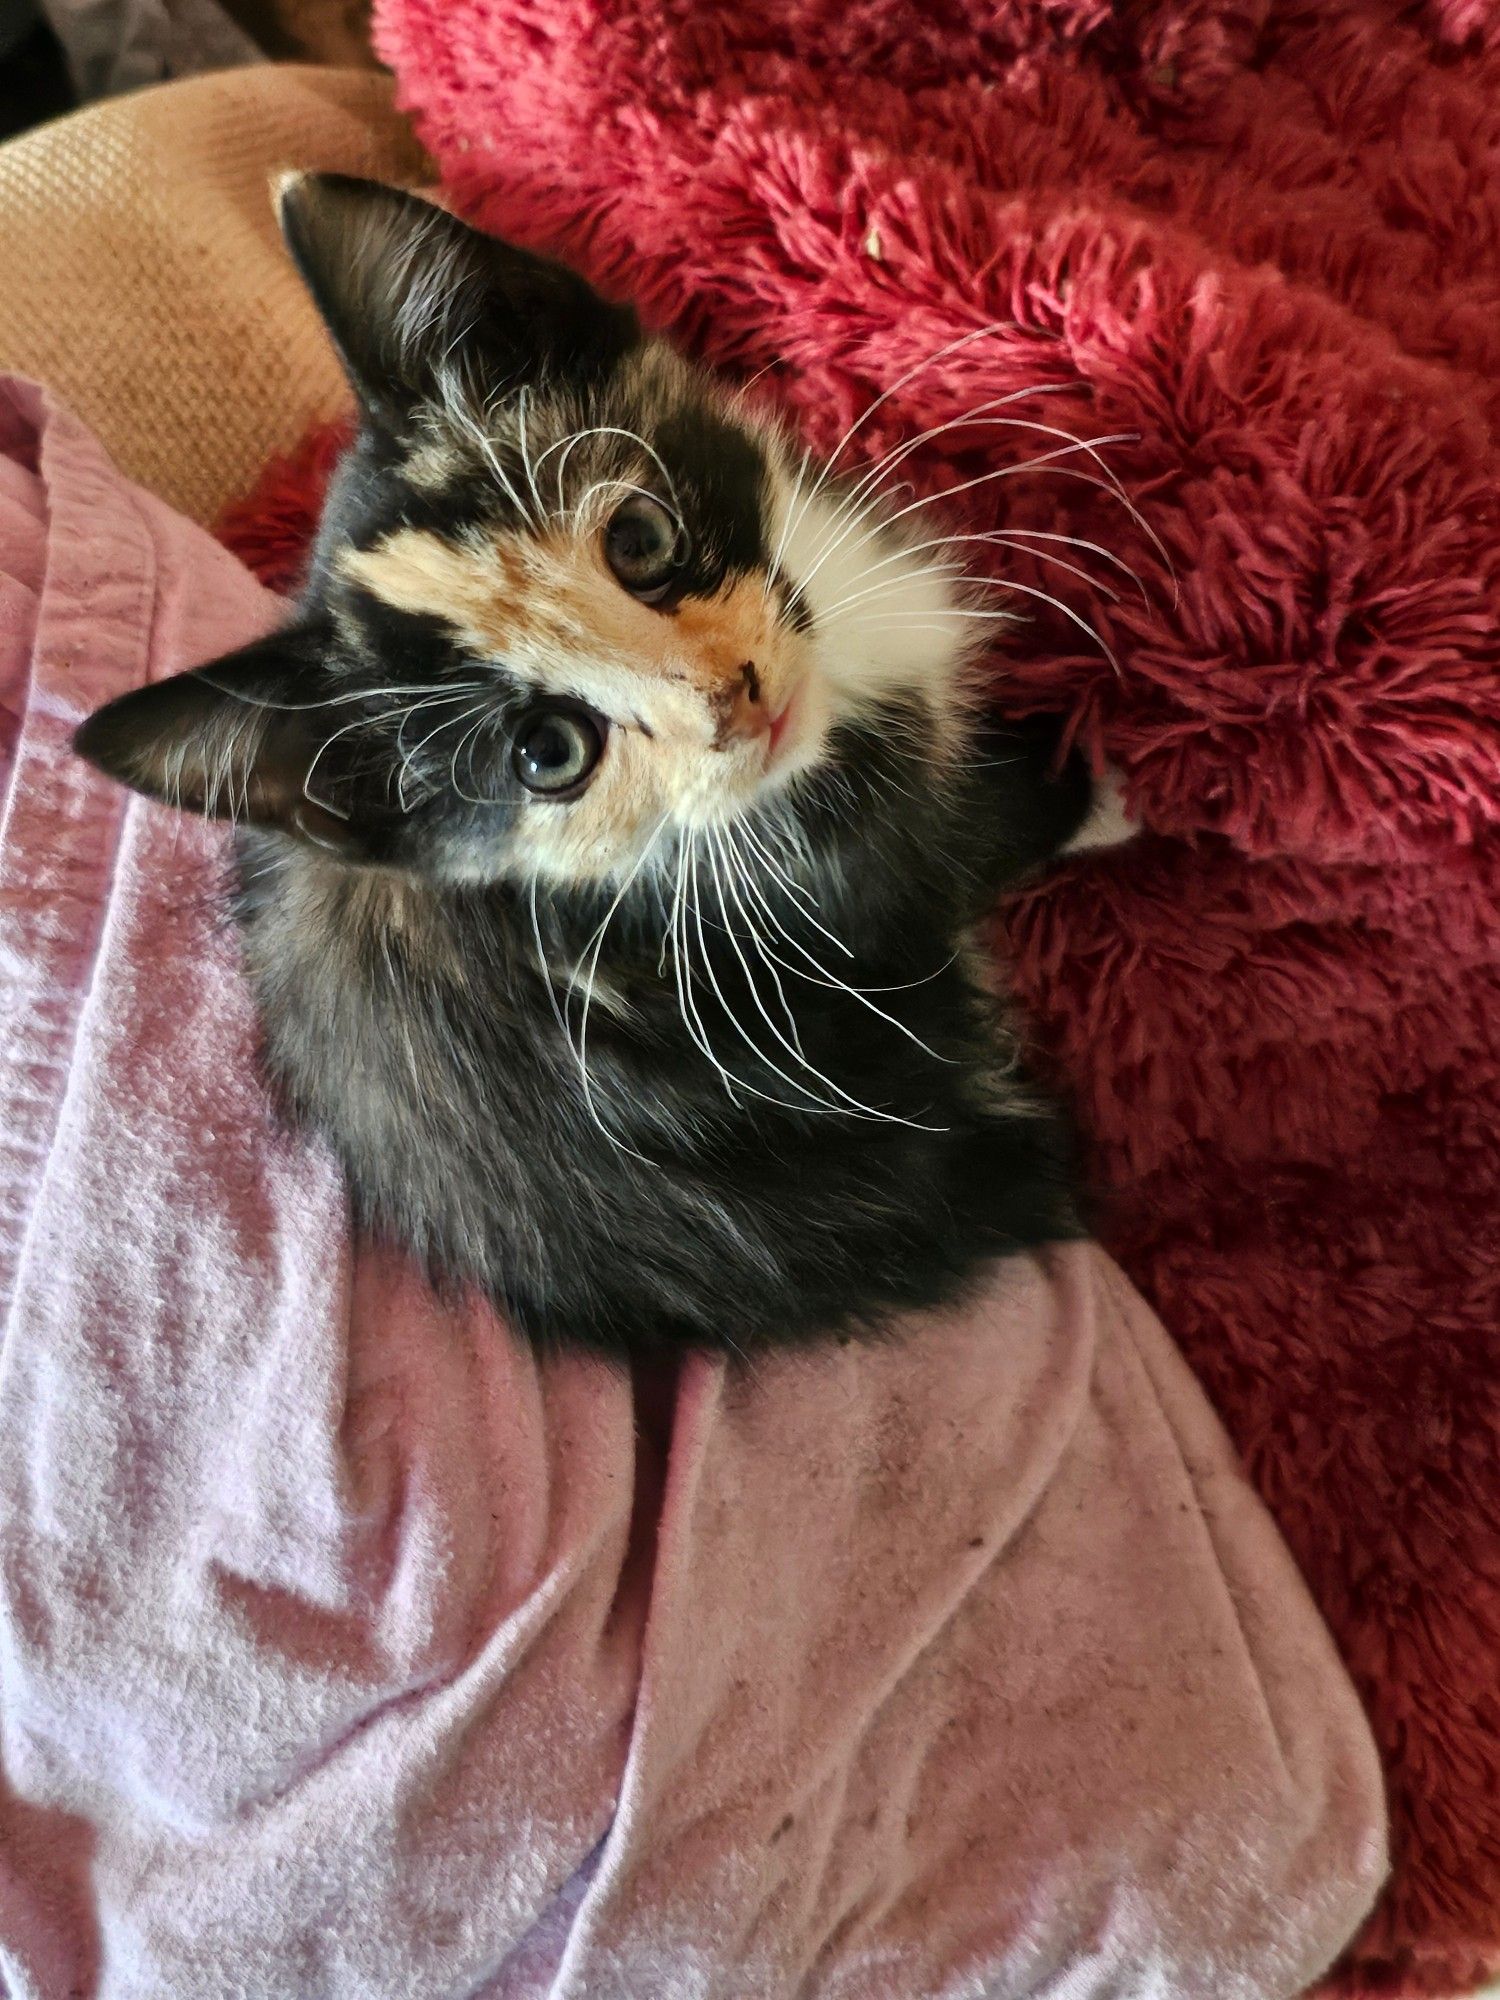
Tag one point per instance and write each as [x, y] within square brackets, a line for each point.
[859, 993]
[359, 722]
[1045, 460]
[545, 968]
[974, 418]
[562, 466]
[563, 444]
[682, 962]
[934, 614]
[409, 756]
[884, 521]
[331, 701]
[836, 941]
[745, 387]
[597, 944]
[1007, 617]
[857, 1107]
[630, 486]
[910, 375]
[486, 715]
[1079, 542]
[773, 567]
[791, 1040]
[477, 424]
[526, 450]
[814, 1105]
[1111, 480]
[903, 581]
[607, 430]
[997, 537]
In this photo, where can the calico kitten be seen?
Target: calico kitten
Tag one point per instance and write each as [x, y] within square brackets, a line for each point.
[613, 821]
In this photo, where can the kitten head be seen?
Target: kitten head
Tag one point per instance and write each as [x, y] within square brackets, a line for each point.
[569, 594]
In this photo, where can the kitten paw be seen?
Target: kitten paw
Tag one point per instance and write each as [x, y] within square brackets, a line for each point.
[1108, 824]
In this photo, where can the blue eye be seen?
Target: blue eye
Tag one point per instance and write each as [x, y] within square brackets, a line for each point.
[643, 547]
[555, 751]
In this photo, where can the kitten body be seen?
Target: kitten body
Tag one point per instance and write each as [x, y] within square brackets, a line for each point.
[616, 819]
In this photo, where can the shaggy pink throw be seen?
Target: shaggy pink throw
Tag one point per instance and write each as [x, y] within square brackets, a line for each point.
[1262, 240]
[347, 1653]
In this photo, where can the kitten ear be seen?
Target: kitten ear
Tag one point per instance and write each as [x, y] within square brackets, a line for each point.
[408, 292]
[231, 740]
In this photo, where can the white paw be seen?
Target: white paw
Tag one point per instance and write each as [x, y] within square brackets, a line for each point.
[1108, 824]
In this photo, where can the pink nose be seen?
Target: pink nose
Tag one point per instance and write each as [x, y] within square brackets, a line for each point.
[740, 711]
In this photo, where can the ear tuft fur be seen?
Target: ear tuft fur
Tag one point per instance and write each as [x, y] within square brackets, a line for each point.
[411, 294]
[230, 740]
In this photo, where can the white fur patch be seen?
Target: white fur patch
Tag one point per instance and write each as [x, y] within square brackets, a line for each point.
[1108, 823]
[887, 618]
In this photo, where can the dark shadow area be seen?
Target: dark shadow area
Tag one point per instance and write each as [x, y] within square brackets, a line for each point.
[34, 83]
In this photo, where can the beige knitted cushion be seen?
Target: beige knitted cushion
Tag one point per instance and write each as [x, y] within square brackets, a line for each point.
[144, 279]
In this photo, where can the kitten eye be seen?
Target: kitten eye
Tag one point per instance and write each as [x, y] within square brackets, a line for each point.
[642, 547]
[555, 750]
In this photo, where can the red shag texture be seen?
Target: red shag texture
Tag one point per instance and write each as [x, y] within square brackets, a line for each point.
[1259, 244]
[271, 528]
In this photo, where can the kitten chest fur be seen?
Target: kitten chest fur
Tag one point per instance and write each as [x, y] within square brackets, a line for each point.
[419, 1037]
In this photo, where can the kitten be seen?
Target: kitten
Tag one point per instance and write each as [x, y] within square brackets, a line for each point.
[614, 819]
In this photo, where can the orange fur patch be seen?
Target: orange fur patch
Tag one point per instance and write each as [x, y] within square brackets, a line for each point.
[552, 595]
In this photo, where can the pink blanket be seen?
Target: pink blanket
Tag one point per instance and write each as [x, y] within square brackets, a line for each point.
[348, 1652]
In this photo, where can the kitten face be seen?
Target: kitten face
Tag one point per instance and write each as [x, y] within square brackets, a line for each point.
[599, 563]
[570, 597]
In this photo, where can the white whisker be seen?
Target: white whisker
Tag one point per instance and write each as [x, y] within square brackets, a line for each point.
[774, 565]
[1006, 617]
[545, 969]
[607, 485]
[814, 1106]
[566, 446]
[478, 425]
[791, 1040]
[408, 756]
[359, 722]
[485, 716]
[682, 965]
[902, 581]
[997, 538]
[856, 1106]
[882, 522]
[951, 347]
[836, 941]
[1045, 460]
[525, 443]
[774, 868]
[597, 945]
[333, 700]
[975, 418]
[859, 993]
[1079, 542]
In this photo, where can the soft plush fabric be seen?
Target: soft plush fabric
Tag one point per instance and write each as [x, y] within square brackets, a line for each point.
[1263, 241]
[346, 1653]
[143, 276]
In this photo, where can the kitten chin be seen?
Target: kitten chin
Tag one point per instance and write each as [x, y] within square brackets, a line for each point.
[616, 818]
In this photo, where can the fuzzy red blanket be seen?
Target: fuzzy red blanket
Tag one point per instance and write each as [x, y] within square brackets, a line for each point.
[1256, 244]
